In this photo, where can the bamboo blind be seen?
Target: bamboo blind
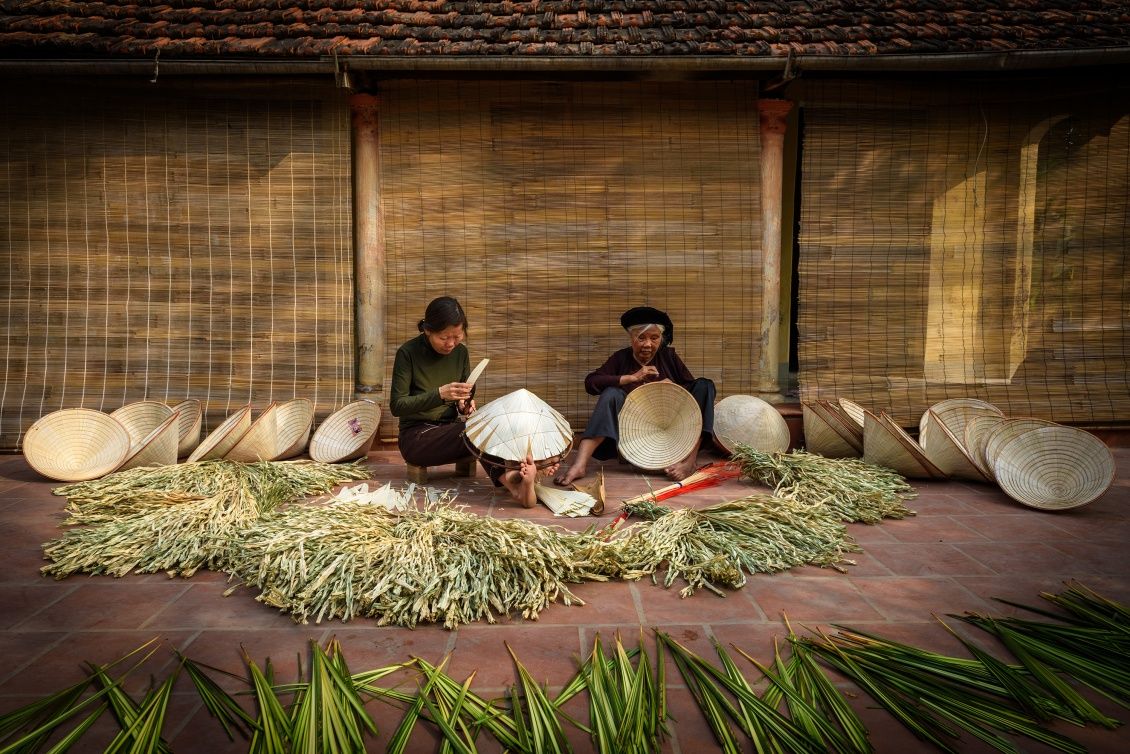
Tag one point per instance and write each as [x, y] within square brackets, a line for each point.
[966, 242]
[173, 245]
[550, 208]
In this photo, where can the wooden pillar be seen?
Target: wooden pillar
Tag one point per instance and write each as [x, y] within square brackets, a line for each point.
[772, 114]
[368, 247]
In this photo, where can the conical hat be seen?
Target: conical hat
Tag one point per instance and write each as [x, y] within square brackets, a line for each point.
[141, 417]
[295, 418]
[346, 433]
[1054, 468]
[1006, 431]
[191, 420]
[956, 411]
[159, 448]
[659, 425]
[76, 444]
[516, 424]
[853, 410]
[947, 453]
[261, 441]
[750, 421]
[224, 437]
[977, 432]
[886, 444]
[841, 423]
[821, 438]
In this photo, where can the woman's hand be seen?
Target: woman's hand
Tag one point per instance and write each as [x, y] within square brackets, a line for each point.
[455, 391]
[644, 374]
[465, 408]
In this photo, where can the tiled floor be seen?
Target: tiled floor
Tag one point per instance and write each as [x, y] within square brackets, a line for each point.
[968, 544]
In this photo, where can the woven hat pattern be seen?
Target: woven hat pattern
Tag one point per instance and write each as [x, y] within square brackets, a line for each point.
[821, 438]
[947, 452]
[518, 423]
[1004, 432]
[261, 441]
[76, 444]
[1054, 468]
[159, 448]
[346, 433]
[295, 419]
[190, 422]
[853, 410]
[887, 444]
[955, 412]
[977, 432]
[659, 425]
[750, 421]
[842, 424]
[142, 417]
[224, 437]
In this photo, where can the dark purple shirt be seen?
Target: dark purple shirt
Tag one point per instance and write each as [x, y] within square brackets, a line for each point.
[666, 362]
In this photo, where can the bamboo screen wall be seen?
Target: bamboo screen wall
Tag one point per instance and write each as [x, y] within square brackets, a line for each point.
[550, 208]
[173, 245]
[966, 242]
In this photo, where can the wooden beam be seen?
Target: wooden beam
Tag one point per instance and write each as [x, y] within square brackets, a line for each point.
[368, 247]
[772, 118]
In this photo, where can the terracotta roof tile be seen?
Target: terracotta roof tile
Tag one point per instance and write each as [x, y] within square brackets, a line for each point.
[256, 29]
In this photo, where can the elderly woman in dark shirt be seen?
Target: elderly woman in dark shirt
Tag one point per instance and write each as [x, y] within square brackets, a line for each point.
[649, 358]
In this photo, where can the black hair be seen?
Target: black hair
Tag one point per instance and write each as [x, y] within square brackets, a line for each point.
[442, 313]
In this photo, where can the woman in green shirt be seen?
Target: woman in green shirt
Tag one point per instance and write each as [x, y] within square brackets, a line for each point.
[430, 395]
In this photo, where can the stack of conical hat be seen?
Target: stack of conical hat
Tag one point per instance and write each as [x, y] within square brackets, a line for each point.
[885, 443]
[190, 422]
[517, 424]
[978, 429]
[158, 448]
[947, 452]
[260, 443]
[140, 418]
[821, 437]
[224, 437]
[1054, 468]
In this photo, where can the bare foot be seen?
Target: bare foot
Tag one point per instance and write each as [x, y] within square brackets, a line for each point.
[681, 470]
[571, 474]
[520, 483]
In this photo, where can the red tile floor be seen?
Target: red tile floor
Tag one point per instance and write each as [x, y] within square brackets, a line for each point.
[968, 544]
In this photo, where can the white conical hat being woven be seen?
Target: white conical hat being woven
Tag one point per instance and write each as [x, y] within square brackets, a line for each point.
[517, 423]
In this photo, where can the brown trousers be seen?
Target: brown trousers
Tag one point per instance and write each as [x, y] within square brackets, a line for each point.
[439, 443]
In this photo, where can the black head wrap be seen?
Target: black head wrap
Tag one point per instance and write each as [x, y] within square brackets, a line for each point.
[649, 315]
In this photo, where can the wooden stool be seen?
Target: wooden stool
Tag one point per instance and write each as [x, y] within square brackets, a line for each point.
[419, 474]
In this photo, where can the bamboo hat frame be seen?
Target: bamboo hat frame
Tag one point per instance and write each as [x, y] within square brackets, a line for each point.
[660, 422]
[76, 444]
[1054, 468]
[295, 419]
[821, 438]
[948, 453]
[749, 420]
[346, 433]
[887, 444]
[190, 422]
[159, 448]
[260, 443]
[142, 417]
[517, 424]
[224, 437]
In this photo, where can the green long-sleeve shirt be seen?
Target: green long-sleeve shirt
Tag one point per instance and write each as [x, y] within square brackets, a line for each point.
[417, 375]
